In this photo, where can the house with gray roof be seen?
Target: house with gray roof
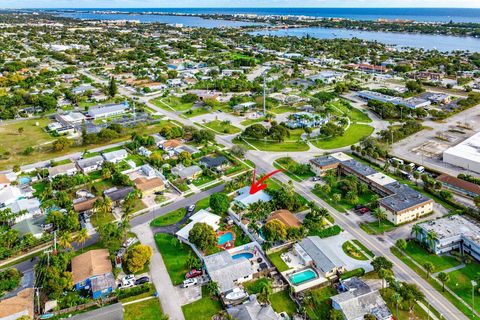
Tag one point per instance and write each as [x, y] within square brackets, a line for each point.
[110, 312]
[34, 225]
[29, 208]
[186, 172]
[118, 194]
[226, 271]
[90, 164]
[252, 310]
[357, 300]
[68, 169]
[115, 156]
[186, 148]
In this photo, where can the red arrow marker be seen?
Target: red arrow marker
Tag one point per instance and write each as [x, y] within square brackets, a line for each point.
[259, 185]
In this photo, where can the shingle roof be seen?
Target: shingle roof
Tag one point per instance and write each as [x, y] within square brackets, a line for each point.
[286, 217]
[91, 263]
[144, 184]
[61, 169]
[21, 304]
[88, 162]
[224, 270]
[84, 205]
[211, 162]
[118, 194]
[110, 312]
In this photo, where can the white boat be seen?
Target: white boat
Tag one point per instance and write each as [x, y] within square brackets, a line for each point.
[236, 294]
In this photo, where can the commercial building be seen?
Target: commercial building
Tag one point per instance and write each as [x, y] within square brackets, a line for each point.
[400, 203]
[412, 103]
[459, 186]
[465, 154]
[452, 233]
[108, 110]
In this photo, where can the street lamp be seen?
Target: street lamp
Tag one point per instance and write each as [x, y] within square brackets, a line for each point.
[474, 284]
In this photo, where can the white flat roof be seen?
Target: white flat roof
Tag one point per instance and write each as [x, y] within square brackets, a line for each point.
[380, 179]
[468, 149]
[341, 156]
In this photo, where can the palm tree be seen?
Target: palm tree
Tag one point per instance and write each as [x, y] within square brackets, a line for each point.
[443, 277]
[430, 239]
[397, 298]
[212, 288]
[428, 266]
[65, 240]
[379, 214]
[82, 236]
[384, 274]
[417, 230]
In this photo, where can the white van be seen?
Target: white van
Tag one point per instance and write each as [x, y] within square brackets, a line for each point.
[399, 161]
[420, 169]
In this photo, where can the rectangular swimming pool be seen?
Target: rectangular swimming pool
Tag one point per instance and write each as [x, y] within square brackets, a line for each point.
[303, 276]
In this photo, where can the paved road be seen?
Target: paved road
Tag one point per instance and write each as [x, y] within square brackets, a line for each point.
[378, 244]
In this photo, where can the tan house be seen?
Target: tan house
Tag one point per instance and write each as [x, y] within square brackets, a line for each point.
[17, 306]
[286, 217]
[85, 205]
[171, 144]
[4, 181]
[88, 265]
[149, 186]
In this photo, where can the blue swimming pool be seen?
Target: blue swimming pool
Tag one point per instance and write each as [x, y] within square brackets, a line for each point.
[247, 255]
[303, 276]
[224, 238]
[24, 180]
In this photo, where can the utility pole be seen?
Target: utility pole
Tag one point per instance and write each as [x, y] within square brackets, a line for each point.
[55, 241]
[264, 99]
[37, 290]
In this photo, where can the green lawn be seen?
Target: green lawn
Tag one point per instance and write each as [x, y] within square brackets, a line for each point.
[275, 146]
[202, 309]
[319, 307]
[281, 302]
[354, 114]
[202, 204]
[101, 219]
[375, 228]
[248, 122]
[292, 169]
[174, 256]
[351, 251]
[255, 286]
[173, 102]
[365, 249]
[148, 309]
[351, 136]
[169, 219]
[277, 260]
[222, 127]
[460, 283]
[420, 255]
[343, 205]
[203, 179]
[456, 302]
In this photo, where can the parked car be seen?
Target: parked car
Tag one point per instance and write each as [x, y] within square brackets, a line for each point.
[128, 278]
[420, 169]
[363, 210]
[142, 280]
[189, 282]
[191, 208]
[316, 178]
[126, 284]
[399, 161]
[193, 273]
[129, 242]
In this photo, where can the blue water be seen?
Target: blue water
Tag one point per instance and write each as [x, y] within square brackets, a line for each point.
[24, 180]
[303, 276]
[224, 238]
[185, 21]
[419, 41]
[418, 14]
[246, 255]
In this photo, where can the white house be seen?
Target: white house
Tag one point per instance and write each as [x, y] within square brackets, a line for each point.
[90, 164]
[115, 156]
[9, 195]
[202, 216]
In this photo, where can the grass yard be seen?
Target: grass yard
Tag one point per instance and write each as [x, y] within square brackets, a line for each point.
[374, 228]
[274, 146]
[169, 219]
[354, 114]
[460, 283]
[148, 309]
[351, 136]
[101, 219]
[281, 302]
[173, 102]
[420, 255]
[319, 307]
[248, 122]
[351, 251]
[277, 260]
[293, 169]
[202, 204]
[255, 286]
[283, 109]
[222, 127]
[202, 309]
[203, 179]
[174, 256]
[343, 205]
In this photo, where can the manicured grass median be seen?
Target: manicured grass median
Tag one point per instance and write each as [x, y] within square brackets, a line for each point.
[281, 302]
[174, 255]
[375, 228]
[169, 219]
[148, 309]
[277, 260]
[202, 309]
[351, 136]
[351, 251]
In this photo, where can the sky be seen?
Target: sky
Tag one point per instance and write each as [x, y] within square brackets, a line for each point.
[236, 3]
